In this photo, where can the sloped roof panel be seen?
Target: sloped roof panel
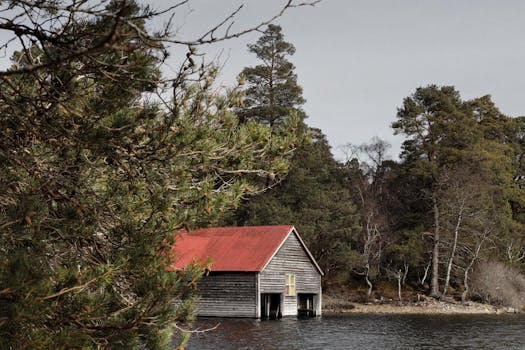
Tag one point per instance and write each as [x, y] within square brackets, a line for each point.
[244, 249]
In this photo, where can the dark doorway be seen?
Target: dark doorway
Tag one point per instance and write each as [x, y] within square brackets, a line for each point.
[305, 305]
[271, 306]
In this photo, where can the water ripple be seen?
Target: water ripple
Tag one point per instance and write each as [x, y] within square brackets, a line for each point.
[363, 332]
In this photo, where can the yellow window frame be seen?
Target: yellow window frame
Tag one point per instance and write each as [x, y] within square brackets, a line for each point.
[289, 285]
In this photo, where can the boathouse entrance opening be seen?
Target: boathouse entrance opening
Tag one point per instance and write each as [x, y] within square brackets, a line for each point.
[271, 306]
[305, 304]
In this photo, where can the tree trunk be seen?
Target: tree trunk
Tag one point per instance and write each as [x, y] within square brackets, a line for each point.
[465, 285]
[434, 287]
[405, 273]
[425, 275]
[453, 251]
[467, 269]
[369, 291]
[399, 277]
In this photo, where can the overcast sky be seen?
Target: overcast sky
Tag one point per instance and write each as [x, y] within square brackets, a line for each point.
[357, 60]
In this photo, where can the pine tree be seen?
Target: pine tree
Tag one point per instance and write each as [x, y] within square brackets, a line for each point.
[315, 198]
[437, 127]
[272, 91]
[447, 135]
[96, 179]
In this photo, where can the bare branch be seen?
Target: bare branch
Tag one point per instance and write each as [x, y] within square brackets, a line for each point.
[51, 29]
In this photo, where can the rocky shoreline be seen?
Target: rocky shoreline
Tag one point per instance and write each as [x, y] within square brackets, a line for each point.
[430, 306]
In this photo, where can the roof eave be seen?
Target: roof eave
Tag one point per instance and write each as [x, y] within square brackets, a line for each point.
[308, 252]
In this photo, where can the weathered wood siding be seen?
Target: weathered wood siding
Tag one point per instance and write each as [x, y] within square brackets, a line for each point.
[227, 294]
[290, 259]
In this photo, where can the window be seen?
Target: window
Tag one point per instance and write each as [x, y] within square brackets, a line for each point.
[289, 283]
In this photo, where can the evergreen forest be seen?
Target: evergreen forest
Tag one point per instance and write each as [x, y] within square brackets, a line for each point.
[446, 219]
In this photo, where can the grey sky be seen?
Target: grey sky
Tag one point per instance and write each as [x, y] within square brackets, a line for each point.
[357, 60]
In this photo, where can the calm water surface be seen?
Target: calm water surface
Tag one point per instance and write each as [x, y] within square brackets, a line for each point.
[485, 332]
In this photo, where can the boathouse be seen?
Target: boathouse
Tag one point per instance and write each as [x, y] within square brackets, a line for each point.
[256, 271]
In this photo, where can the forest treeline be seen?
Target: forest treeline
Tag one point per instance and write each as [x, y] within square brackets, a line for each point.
[449, 212]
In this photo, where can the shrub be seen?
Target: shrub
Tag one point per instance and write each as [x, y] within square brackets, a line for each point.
[496, 283]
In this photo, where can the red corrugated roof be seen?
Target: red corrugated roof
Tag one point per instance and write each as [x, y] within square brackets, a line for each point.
[246, 248]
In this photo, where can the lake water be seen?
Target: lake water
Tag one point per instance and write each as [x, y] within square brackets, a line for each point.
[363, 332]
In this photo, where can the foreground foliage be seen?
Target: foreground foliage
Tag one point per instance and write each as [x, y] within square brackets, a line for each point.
[97, 176]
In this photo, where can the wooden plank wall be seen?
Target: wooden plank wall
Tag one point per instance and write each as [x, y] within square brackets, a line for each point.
[227, 294]
[290, 259]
